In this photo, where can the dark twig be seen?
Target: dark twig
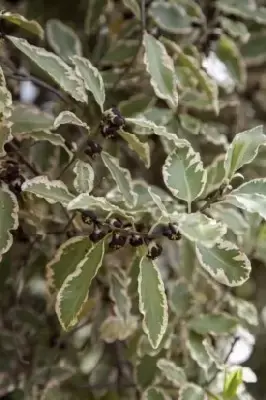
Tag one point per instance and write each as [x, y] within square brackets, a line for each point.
[23, 159]
[18, 76]
[225, 361]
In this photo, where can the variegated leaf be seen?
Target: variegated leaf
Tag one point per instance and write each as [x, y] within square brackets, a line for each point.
[224, 262]
[251, 196]
[199, 228]
[141, 148]
[8, 217]
[172, 372]
[75, 290]
[119, 282]
[68, 117]
[133, 6]
[171, 17]
[230, 217]
[157, 200]
[190, 391]
[215, 175]
[28, 118]
[114, 328]
[198, 351]
[219, 323]
[84, 179]
[160, 66]
[52, 191]
[51, 64]
[180, 298]
[63, 39]
[184, 174]
[154, 393]
[92, 78]
[122, 178]
[28, 25]
[243, 149]
[152, 301]
[66, 259]
[5, 98]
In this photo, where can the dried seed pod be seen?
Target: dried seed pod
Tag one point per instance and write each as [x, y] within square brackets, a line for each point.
[154, 250]
[171, 232]
[118, 240]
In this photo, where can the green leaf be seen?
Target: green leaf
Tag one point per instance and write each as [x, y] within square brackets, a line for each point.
[160, 66]
[66, 259]
[22, 22]
[92, 78]
[145, 371]
[120, 52]
[157, 200]
[243, 149]
[28, 118]
[5, 136]
[55, 139]
[51, 64]
[5, 98]
[152, 301]
[122, 178]
[236, 29]
[171, 18]
[215, 175]
[183, 173]
[84, 179]
[8, 217]
[62, 39]
[75, 290]
[208, 85]
[254, 50]
[250, 196]
[94, 10]
[232, 381]
[172, 372]
[133, 6]
[180, 298]
[198, 351]
[225, 263]
[142, 149]
[216, 324]
[119, 282]
[190, 391]
[201, 229]
[115, 328]
[154, 393]
[245, 310]
[68, 117]
[228, 52]
[230, 217]
[52, 191]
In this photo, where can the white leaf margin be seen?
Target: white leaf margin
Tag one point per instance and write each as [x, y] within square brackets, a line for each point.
[220, 275]
[164, 304]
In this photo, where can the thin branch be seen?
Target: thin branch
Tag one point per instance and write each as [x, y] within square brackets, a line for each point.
[18, 76]
[23, 159]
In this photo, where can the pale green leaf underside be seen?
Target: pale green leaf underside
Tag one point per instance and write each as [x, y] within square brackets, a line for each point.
[225, 263]
[28, 118]
[68, 117]
[152, 301]
[28, 25]
[8, 217]
[75, 289]
[197, 350]
[171, 17]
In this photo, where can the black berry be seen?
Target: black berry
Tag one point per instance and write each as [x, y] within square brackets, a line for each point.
[136, 240]
[97, 234]
[118, 240]
[89, 217]
[171, 232]
[154, 250]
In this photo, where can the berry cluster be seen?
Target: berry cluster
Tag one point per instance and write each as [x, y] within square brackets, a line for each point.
[111, 122]
[10, 174]
[93, 149]
[123, 233]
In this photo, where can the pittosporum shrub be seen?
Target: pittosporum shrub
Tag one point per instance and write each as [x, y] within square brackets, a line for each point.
[130, 206]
